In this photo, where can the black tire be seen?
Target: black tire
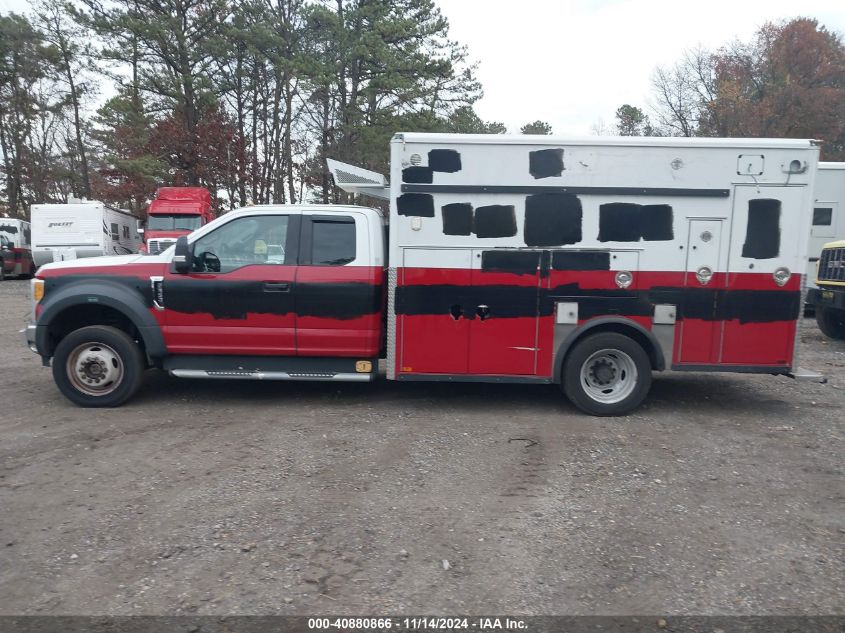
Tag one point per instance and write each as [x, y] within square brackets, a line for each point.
[2, 270]
[94, 346]
[831, 322]
[622, 355]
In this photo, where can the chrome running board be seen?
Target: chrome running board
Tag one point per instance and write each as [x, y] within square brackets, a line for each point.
[271, 375]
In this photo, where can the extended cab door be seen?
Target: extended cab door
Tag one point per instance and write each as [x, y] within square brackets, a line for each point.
[339, 288]
[239, 297]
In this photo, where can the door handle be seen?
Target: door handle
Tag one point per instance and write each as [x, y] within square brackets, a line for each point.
[276, 286]
[483, 312]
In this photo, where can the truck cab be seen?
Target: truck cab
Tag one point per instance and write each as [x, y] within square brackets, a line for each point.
[16, 248]
[175, 211]
[276, 292]
[828, 297]
[7, 257]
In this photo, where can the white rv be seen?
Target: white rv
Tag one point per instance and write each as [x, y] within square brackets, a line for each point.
[81, 229]
[828, 222]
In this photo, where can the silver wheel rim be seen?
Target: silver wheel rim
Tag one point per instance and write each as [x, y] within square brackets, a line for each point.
[609, 376]
[94, 369]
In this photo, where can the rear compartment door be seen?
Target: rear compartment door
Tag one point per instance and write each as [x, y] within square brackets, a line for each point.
[700, 333]
[503, 312]
[759, 314]
[433, 301]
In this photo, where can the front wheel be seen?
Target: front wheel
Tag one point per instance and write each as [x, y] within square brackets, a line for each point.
[98, 366]
[606, 374]
[831, 322]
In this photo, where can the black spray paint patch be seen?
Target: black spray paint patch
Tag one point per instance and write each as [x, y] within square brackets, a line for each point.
[457, 218]
[416, 204]
[656, 223]
[417, 175]
[496, 220]
[8, 228]
[630, 222]
[230, 299]
[510, 301]
[580, 260]
[545, 163]
[762, 237]
[552, 219]
[445, 160]
[237, 299]
[515, 262]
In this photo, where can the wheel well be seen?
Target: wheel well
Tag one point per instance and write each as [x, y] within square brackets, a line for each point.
[76, 317]
[652, 349]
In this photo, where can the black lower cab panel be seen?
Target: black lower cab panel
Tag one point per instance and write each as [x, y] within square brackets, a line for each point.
[271, 367]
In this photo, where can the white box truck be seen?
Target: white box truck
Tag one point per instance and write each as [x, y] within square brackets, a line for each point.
[81, 229]
[828, 224]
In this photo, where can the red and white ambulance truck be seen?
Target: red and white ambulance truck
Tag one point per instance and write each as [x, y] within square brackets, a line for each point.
[15, 248]
[590, 263]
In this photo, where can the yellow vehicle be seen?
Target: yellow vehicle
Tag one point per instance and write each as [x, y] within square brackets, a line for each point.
[828, 297]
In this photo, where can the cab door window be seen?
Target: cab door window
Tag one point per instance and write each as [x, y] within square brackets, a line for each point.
[259, 239]
[332, 240]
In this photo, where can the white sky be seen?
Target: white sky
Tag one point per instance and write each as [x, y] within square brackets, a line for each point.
[573, 62]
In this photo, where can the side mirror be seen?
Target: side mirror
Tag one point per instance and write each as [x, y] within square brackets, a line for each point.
[183, 257]
[140, 230]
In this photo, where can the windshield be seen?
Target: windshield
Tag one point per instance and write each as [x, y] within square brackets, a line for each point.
[173, 222]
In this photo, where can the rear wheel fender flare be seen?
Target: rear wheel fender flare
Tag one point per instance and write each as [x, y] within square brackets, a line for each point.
[655, 354]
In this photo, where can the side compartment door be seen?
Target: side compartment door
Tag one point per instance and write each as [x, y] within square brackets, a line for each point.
[504, 312]
[339, 293]
[700, 333]
[238, 299]
[759, 313]
[433, 301]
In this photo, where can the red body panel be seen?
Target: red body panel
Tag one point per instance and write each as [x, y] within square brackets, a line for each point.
[439, 344]
[336, 311]
[340, 335]
[433, 343]
[503, 346]
[253, 333]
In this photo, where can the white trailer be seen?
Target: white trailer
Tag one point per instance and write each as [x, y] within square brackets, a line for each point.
[81, 229]
[828, 221]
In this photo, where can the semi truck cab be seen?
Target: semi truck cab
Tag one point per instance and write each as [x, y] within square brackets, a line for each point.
[173, 212]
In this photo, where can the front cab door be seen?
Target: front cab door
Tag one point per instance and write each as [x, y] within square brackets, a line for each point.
[239, 296]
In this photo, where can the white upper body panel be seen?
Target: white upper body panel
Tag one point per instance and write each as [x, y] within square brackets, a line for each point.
[696, 178]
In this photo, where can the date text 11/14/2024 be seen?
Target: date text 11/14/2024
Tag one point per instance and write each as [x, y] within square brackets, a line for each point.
[420, 623]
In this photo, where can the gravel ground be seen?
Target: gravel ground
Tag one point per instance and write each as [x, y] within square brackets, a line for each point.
[722, 495]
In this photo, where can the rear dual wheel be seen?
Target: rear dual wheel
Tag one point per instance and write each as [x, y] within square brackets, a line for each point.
[606, 374]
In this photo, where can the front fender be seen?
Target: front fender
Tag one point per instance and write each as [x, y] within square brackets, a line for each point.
[129, 296]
